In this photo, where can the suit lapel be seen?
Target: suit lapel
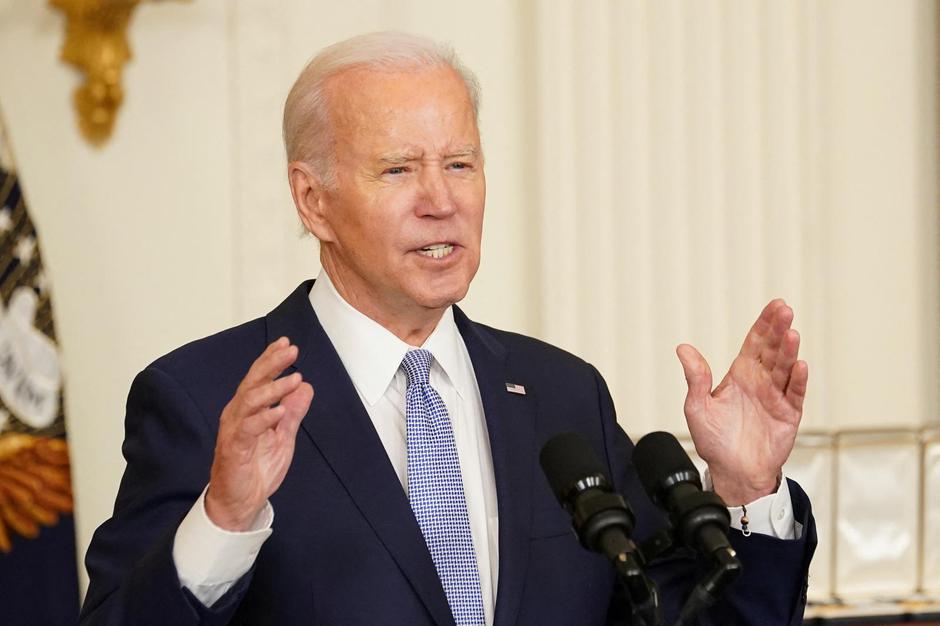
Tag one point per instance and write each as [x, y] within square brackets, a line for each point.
[339, 427]
[510, 420]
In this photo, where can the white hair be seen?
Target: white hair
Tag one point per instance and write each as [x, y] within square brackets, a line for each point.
[307, 132]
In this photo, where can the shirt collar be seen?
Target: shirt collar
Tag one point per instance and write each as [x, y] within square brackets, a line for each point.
[372, 354]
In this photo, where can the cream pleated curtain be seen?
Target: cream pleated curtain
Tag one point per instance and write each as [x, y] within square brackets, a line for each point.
[697, 159]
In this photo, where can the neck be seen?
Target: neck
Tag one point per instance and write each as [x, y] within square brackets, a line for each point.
[412, 324]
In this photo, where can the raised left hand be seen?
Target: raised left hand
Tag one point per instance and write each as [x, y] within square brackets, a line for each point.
[745, 428]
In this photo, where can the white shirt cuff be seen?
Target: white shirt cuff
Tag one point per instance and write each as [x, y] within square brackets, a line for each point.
[770, 515]
[209, 559]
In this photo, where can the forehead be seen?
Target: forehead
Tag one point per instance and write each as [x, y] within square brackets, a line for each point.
[372, 109]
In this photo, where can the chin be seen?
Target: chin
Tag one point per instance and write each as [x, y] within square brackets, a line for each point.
[441, 300]
[441, 296]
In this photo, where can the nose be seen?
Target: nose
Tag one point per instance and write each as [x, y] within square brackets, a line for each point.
[437, 198]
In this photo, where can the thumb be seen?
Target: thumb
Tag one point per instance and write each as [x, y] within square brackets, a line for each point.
[697, 374]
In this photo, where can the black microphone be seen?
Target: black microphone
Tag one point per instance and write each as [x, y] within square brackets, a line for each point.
[600, 516]
[673, 483]
[700, 518]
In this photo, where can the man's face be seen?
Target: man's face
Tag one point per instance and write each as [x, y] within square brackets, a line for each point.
[405, 214]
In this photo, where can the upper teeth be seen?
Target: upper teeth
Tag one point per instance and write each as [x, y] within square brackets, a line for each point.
[437, 251]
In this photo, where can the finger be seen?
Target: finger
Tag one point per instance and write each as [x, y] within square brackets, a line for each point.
[277, 356]
[796, 389]
[258, 423]
[783, 364]
[697, 374]
[753, 342]
[779, 326]
[296, 404]
[268, 394]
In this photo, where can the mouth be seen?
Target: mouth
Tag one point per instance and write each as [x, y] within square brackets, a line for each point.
[437, 250]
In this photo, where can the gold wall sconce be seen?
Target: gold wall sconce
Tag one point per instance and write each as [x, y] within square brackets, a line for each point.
[96, 43]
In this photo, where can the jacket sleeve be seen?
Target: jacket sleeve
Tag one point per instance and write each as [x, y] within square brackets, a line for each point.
[168, 446]
[771, 589]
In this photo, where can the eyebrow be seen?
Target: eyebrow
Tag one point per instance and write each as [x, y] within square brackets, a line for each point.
[469, 151]
[399, 158]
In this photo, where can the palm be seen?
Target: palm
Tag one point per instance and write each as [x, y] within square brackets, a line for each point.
[746, 427]
[273, 453]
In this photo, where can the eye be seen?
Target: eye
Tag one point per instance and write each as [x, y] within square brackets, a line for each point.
[459, 165]
[396, 170]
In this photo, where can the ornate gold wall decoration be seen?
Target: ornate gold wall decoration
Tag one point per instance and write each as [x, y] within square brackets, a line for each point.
[35, 486]
[96, 43]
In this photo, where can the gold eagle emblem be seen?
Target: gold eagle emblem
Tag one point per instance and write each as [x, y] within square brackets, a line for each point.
[35, 487]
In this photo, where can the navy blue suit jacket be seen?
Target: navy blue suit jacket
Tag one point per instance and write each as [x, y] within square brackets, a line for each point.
[346, 548]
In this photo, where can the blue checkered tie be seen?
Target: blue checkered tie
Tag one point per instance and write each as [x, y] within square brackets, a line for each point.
[435, 489]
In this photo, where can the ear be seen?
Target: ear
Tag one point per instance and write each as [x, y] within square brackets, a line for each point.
[308, 192]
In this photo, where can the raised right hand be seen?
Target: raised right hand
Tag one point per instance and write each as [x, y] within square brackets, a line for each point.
[255, 444]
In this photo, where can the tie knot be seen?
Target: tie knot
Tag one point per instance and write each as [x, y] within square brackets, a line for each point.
[417, 366]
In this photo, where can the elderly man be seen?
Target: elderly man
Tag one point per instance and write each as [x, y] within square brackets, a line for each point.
[395, 440]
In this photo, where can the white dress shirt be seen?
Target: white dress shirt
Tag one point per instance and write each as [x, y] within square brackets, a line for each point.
[209, 560]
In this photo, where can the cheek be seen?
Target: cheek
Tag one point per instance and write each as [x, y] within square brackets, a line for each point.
[476, 225]
[375, 228]
[471, 202]
[390, 213]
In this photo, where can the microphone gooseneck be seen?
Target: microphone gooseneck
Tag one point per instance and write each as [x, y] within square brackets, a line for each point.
[601, 518]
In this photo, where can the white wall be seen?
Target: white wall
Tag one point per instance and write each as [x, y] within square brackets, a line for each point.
[136, 236]
[657, 171]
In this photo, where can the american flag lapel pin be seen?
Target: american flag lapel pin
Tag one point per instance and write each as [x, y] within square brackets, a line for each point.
[514, 388]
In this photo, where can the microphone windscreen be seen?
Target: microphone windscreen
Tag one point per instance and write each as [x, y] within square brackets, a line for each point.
[658, 458]
[566, 459]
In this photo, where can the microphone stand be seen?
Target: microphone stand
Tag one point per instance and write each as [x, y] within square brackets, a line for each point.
[725, 569]
[703, 521]
[603, 524]
[644, 599]
[641, 592]
[725, 565]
